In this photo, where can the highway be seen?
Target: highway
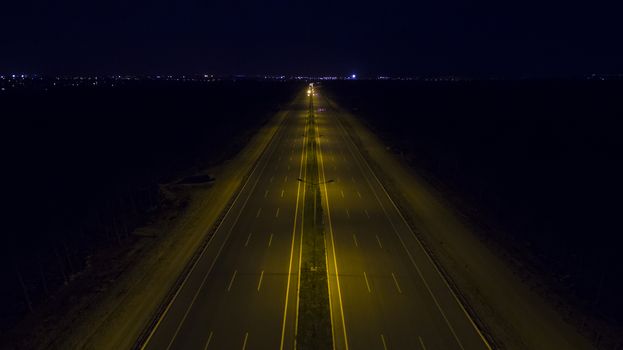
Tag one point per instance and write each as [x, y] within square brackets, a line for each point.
[384, 291]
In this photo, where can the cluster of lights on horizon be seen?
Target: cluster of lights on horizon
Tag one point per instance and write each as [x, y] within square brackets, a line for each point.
[22, 80]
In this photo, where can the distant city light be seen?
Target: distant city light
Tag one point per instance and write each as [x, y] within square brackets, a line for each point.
[354, 76]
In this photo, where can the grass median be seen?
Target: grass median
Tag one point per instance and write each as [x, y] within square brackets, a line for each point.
[314, 317]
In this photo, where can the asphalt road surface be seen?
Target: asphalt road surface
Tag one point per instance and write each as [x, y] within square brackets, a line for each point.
[385, 292]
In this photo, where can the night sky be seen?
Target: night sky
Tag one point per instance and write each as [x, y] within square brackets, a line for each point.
[443, 37]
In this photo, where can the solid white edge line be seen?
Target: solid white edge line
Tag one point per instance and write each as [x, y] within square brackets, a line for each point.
[339, 292]
[304, 175]
[218, 227]
[285, 309]
[417, 268]
[419, 243]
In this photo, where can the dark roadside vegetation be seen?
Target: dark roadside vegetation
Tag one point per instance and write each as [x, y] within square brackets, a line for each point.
[535, 164]
[82, 168]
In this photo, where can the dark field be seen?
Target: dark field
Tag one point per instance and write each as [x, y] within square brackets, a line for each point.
[536, 164]
[81, 168]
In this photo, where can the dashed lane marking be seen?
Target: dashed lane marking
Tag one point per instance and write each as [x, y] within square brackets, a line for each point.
[208, 341]
[231, 282]
[365, 277]
[422, 343]
[259, 284]
[244, 343]
[384, 343]
[396, 282]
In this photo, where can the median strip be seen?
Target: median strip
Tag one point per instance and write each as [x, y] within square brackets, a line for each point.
[314, 316]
